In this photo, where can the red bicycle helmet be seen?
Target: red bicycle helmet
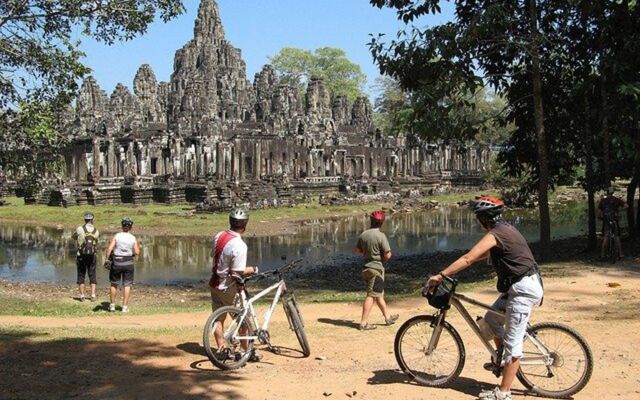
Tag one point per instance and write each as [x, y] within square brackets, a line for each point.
[377, 216]
[488, 205]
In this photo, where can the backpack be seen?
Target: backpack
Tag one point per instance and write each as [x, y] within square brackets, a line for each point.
[88, 248]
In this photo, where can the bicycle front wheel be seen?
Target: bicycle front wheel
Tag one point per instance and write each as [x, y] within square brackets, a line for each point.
[557, 361]
[236, 350]
[297, 325]
[437, 368]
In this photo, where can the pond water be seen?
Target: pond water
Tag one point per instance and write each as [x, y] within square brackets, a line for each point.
[41, 254]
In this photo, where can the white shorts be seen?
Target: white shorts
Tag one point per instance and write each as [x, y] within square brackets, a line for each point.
[517, 305]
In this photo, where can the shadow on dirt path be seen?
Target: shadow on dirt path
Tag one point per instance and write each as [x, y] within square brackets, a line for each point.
[340, 322]
[34, 367]
[464, 385]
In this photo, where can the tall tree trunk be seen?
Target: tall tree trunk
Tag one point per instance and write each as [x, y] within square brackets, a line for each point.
[543, 161]
[604, 129]
[631, 194]
[588, 174]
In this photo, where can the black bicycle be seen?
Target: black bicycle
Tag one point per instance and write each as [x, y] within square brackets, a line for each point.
[557, 361]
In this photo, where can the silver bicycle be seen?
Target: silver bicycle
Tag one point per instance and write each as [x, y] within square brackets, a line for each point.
[557, 361]
[241, 325]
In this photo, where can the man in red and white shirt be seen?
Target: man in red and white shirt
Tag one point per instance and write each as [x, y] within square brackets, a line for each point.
[229, 261]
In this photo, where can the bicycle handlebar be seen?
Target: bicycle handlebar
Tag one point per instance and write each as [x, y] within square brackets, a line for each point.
[278, 272]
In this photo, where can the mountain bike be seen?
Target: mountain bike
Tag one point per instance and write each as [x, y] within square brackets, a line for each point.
[241, 325]
[610, 235]
[557, 361]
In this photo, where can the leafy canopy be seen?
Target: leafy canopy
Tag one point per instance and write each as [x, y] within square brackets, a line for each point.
[39, 57]
[342, 76]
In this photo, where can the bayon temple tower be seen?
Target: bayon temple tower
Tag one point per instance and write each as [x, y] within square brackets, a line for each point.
[210, 135]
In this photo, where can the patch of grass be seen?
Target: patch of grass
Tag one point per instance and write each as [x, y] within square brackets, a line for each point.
[165, 219]
[67, 307]
[99, 333]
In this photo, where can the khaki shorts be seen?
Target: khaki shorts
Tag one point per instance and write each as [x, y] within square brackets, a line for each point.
[222, 298]
[374, 281]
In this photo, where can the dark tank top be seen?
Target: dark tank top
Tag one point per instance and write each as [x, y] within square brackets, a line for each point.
[512, 259]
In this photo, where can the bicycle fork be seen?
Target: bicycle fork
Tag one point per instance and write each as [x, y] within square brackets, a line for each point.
[437, 331]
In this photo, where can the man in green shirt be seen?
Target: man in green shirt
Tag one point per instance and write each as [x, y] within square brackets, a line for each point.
[374, 248]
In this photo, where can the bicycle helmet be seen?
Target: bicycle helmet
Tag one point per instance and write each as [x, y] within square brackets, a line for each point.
[377, 216]
[126, 221]
[487, 206]
[238, 218]
[88, 216]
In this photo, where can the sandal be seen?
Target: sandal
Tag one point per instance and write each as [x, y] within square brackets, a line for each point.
[392, 319]
[367, 327]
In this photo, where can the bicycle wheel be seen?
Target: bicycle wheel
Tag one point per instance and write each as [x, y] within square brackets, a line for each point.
[439, 368]
[236, 352]
[567, 368]
[297, 325]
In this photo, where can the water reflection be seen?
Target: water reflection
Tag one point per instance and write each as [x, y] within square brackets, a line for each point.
[48, 254]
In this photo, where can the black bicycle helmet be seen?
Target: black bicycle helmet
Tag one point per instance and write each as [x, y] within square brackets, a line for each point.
[88, 216]
[126, 221]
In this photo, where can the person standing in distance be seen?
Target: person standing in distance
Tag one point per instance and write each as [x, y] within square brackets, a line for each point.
[86, 237]
[122, 250]
[374, 247]
[229, 261]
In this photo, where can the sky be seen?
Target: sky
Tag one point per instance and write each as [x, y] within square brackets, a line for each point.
[260, 28]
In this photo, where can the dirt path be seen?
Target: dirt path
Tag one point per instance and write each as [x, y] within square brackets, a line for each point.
[345, 363]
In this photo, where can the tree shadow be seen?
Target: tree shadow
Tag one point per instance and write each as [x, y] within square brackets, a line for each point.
[192, 348]
[34, 367]
[340, 322]
[461, 384]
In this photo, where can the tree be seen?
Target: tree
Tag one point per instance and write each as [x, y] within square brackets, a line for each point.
[498, 39]
[40, 66]
[39, 58]
[342, 76]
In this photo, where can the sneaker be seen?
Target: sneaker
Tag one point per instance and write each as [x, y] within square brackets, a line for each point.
[367, 327]
[112, 307]
[81, 298]
[222, 354]
[93, 297]
[392, 319]
[494, 394]
[125, 309]
[255, 357]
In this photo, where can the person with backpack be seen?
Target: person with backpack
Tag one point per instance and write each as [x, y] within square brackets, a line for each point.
[374, 248]
[120, 259]
[86, 237]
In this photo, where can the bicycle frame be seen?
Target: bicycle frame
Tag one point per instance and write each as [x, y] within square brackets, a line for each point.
[544, 358]
[249, 310]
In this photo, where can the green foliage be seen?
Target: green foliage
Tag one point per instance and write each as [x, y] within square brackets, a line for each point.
[38, 58]
[297, 66]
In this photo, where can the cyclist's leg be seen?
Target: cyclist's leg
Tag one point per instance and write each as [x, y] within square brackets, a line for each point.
[618, 241]
[523, 296]
[496, 322]
[221, 298]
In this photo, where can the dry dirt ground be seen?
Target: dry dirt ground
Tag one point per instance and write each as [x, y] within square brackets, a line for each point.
[47, 357]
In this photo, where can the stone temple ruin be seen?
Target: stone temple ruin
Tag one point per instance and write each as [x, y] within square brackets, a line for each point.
[210, 136]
